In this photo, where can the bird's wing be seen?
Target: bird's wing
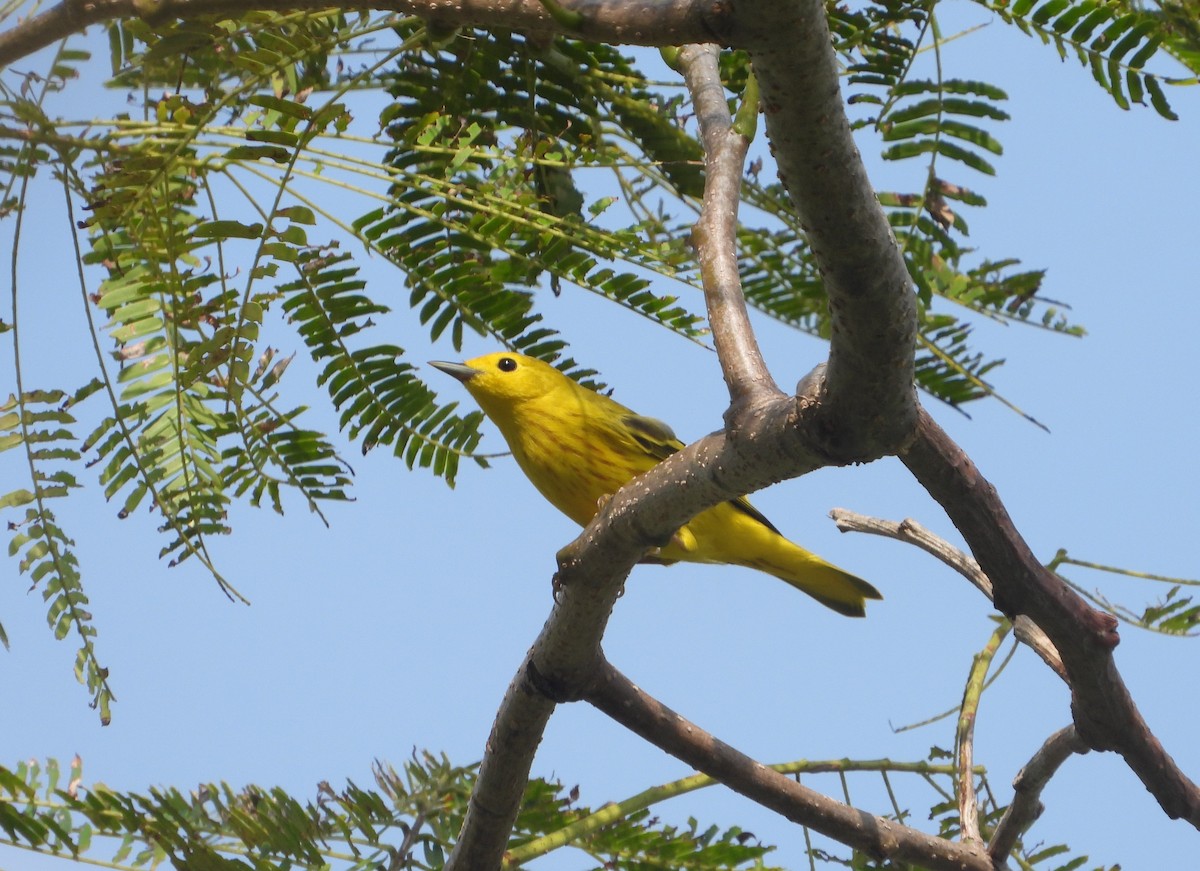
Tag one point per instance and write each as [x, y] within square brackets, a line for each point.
[660, 441]
[743, 505]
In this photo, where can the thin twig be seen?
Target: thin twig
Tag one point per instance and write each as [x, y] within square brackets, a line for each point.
[1026, 805]
[613, 811]
[964, 735]
[400, 854]
[911, 532]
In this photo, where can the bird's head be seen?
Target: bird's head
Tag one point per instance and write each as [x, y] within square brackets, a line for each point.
[504, 379]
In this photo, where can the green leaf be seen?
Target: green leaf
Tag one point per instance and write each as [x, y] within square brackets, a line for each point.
[273, 153]
[227, 230]
[277, 104]
[278, 137]
[1159, 100]
[16, 498]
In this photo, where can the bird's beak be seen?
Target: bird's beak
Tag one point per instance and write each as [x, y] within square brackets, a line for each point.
[455, 370]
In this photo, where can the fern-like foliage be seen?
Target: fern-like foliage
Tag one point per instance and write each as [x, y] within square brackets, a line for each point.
[945, 126]
[191, 420]
[379, 396]
[272, 454]
[1114, 40]
[206, 229]
[411, 818]
[489, 133]
[38, 422]
[405, 819]
[160, 439]
[219, 56]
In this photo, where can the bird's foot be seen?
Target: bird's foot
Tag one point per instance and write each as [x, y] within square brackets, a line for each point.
[564, 559]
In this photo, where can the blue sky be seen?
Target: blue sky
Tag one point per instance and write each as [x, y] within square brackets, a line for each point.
[401, 626]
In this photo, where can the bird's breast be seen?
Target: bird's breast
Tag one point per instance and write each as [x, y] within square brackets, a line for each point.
[572, 459]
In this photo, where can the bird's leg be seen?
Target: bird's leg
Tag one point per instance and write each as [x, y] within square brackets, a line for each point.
[681, 540]
[653, 558]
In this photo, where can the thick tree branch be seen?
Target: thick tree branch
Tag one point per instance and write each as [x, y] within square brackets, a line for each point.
[870, 402]
[715, 234]
[1026, 805]
[1106, 717]
[652, 22]
[503, 774]
[613, 693]
[910, 531]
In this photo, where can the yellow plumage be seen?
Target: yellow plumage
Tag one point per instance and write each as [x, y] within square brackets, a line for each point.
[578, 446]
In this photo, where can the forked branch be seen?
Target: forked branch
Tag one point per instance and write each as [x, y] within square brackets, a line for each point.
[868, 398]
[563, 660]
[910, 531]
[776, 437]
[1105, 715]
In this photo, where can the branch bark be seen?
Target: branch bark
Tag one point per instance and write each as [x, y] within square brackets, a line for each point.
[1026, 805]
[869, 398]
[1105, 715]
[616, 696]
[715, 234]
[653, 22]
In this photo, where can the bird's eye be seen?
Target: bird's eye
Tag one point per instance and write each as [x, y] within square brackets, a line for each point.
[506, 364]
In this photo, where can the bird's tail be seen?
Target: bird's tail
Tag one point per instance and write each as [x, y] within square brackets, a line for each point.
[825, 582]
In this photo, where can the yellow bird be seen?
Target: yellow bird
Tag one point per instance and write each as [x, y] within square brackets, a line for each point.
[578, 447]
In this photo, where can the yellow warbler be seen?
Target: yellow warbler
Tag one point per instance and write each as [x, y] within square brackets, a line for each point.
[578, 446]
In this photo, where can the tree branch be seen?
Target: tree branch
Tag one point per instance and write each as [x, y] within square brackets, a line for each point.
[1026, 805]
[652, 22]
[910, 531]
[715, 233]
[1105, 715]
[613, 694]
[869, 398]
[618, 810]
[504, 772]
